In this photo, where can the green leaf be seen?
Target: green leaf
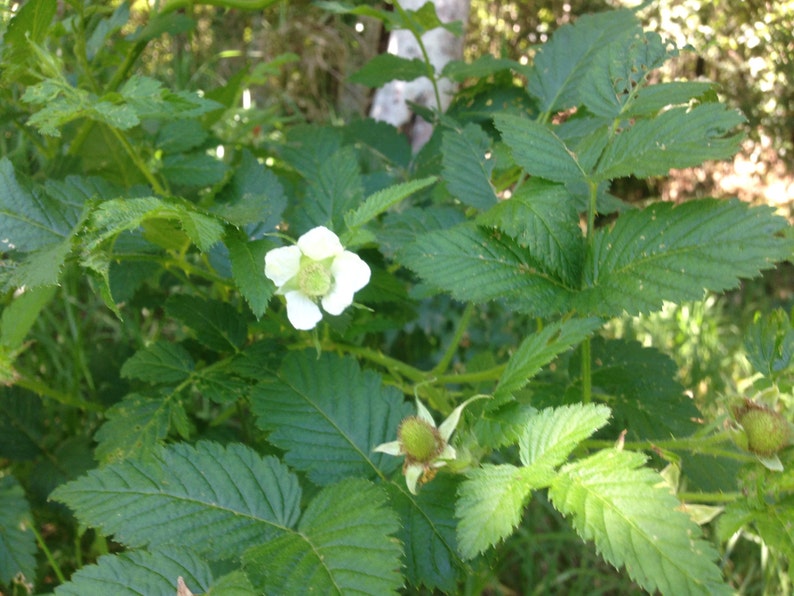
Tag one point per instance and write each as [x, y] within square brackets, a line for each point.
[477, 265]
[653, 98]
[769, 343]
[636, 522]
[490, 503]
[193, 169]
[248, 260]
[40, 268]
[667, 252]
[538, 150]
[540, 348]
[254, 196]
[561, 64]
[678, 138]
[384, 68]
[427, 532]
[543, 218]
[235, 583]
[553, 433]
[217, 325]
[148, 99]
[136, 427]
[466, 167]
[21, 425]
[31, 219]
[483, 66]
[179, 136]
[21, 313]
[334, 190]
[28, 26]
[640, 386]
[380, 201]
[328, 416]
[161, 362]
[17, 542]
[342, 545]
[220, 500]
[153, 573]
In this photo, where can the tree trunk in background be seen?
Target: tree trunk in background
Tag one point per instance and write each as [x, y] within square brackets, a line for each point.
[389, 103]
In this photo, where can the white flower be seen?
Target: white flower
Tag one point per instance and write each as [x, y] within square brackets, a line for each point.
[317, 269]
[425, 446]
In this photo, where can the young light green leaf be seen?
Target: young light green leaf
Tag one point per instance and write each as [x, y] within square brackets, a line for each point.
[491, 501]
[561, 64]
[153, 573]
[538, 150]
[678, 138]
[637, 523]
[40, 268]
[136, 427]
[388, 67]
[161, 362]
[248, 260]
[543, 218]
[382, 200]
[216, 324]
[553, 433]
[478, 265]
[466, 167]
[769, 343]
[220, 500]
[328, 416]
[21, 313]
[667, 252]
[539, 349]
[342, 545]
[17, 541]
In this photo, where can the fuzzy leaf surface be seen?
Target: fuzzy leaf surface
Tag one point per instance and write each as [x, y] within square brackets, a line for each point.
[220, 500]
[161, 362]
[667, 252]
[635, 522]
[382, 200]
[342, 545]
[328, 415]
[134, 573]
[466, 169]
[17, 542]
[247, 260]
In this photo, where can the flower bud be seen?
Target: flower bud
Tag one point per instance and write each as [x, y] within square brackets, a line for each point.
[767, 431]
[420, 440]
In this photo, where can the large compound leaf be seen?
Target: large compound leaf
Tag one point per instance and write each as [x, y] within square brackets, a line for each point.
[637, 523]
[667, 252]
[153, 573]
[478, 265]
[17, 542]
[543, 218]
[328, 416]
[342, 545]
[220, 500]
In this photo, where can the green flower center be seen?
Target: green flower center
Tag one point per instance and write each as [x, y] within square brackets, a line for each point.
[314, 279]
[420, 440]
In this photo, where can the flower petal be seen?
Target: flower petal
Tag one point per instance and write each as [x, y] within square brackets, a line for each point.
[424, 413]
[350, 271]
[412, 474]
[282, 264]
[448, 426]
[337, 300]
[446, 454]
[301, 311]
[391, 448]
[320, 243]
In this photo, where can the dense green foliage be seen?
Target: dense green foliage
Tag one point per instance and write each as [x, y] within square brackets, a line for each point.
[163, 418]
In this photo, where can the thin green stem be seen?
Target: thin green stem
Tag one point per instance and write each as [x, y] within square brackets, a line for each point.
[709, 497]
[139, 163]
[481, 376]
[425, 56]
[587, 372]
[453, 346]
[47, 553]
[709, 445]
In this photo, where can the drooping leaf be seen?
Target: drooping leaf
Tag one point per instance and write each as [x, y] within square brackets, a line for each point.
[153, 573]
[543, 218]
[342, 545]
[161, 362]
[539, 349]
[491, 501]
[770, 343]
[216, 324]
[17, 541]
[247, 259]
[477, 265]
[388, 67]
[220, 500]
[677, 138]
[136, 426]
[636, 522]
[538, 150]
[328, 416]
[561, 64]
[466, 166]
[553, 433]
[667, 252]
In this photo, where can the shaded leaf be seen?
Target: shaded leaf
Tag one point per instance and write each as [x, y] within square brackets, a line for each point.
[466, 166]
[161, 362]
[17, 542]
[217, 325]
[388, 67]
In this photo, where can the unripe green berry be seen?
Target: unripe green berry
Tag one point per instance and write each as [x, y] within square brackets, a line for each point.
[767, 431]
[420, 440]
[314, 279]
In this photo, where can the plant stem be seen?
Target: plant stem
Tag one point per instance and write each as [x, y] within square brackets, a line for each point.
[136, 159]
[449, 354]
[587, 372]
[50, 559]
[709, 497]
